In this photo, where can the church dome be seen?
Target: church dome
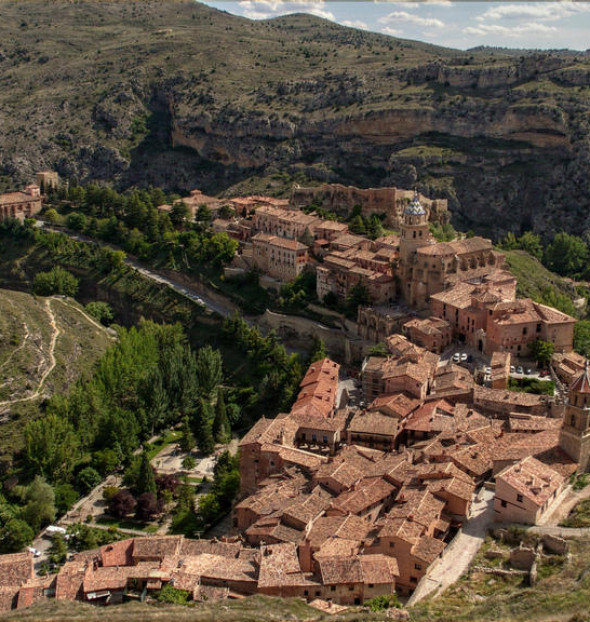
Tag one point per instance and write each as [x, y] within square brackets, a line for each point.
[414, 208]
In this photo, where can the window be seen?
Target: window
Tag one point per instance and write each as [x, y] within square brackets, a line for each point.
[332, 588]
[350, 588]
[519, 498]
[413, 580]
[371, 585]
[391, 545]
[306, 593]
[503, 503]
[318, 593]
[418, 566]
[314, 437]
[325, 439]
[538, 328]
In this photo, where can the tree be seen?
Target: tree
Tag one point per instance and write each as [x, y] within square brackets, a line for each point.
[147, 506]
[58, 551]
[146, 481]
[567, 255]
[358, 296]
[542, 351]
[51, 216]
[203, 214]
[65, 497]
[101, 311]
[88, 478]
[51, 447]
[122, 504]
[204, 427]
[56, 281]
[357, 225]
[318, 351]
[221, 427]
[179, 214]
[76, 221]
[40, 504]
[15, 535]
[188, 463]
[531, 243]
[209, 370]
[187, 439]
[582, 338]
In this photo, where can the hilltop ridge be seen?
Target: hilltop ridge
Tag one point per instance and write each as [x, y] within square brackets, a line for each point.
[137, 93]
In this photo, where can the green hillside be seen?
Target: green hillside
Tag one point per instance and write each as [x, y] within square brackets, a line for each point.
[46, 344]
[138, 93]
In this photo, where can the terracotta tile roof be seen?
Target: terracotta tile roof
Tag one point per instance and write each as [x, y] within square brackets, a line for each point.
[395, 404]
[348, 240]
[325, 368]
[343, 473]
[582, 383]
[191, 548]
[156, 546]
[532, 479]
[307, 507]
[278, 242]
[418, 505]
[503, 397]
[367, 422]
[347, 527]
[456, 486]
[16, 568]
[279, 566]
[459, 296]
[402, 528]
[532, 423]
[368, 492]
[428, 549]
[338, 547]
[303, 459]
[117, 553]
[375, 569]
[17, 197]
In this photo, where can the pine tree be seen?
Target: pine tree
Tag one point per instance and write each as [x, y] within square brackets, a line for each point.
[204, 427]
[319, 351]
[146, 481]
[221, 427]
[187, 440]
[209, 370]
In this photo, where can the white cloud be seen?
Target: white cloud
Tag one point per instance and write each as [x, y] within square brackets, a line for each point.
[392, 31]
[543, 11]
[264, 9]
[531, 28]
[403, 17]
[356, 23]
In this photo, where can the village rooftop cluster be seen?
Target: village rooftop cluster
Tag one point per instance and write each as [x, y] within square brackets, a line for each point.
[343, 503]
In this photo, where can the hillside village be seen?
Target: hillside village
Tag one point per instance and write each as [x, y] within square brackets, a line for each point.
[345, 499]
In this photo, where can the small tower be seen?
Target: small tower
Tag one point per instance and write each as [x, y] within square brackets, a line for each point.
[415, 233]
[574, 438]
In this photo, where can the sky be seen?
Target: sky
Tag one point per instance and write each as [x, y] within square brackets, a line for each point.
[463, 24]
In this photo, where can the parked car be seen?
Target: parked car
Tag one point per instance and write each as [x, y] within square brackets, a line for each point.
[529, 371]
[519, 370]
[463, 357]
[488, 370]
[34, 551]
[512, 369]
[544, 373]
[456, 357]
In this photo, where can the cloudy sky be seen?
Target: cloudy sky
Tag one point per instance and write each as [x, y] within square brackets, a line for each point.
[557, 24]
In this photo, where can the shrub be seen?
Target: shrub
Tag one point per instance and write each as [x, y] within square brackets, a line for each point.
[56, 281]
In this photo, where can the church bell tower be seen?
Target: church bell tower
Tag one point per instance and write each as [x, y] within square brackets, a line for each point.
[574, 437]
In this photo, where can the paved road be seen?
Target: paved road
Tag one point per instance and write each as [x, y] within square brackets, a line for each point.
[154, 275]
[460, 553]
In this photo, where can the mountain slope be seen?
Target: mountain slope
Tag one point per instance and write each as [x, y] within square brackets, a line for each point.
[181, 95]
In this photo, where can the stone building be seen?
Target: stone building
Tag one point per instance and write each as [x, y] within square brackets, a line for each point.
[21, 205]
[389, 201]
[427, 267]
[525, 491]
[281, 258]
[575, 433]
[47, 179]
[487, 316]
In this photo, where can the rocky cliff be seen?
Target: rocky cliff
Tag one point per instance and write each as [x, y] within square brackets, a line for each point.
[139, 93]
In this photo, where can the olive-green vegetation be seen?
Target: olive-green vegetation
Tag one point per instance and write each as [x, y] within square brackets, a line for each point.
[561, 592]
[579, 516]
[532, 385]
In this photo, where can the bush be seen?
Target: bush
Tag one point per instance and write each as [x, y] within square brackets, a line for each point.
[172, 596]
[101, 311]
[87, 479]
[56, 281]
[385, 601]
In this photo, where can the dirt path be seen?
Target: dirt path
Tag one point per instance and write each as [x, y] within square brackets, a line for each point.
[89, 318]
[55, 333]
[563, 505]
